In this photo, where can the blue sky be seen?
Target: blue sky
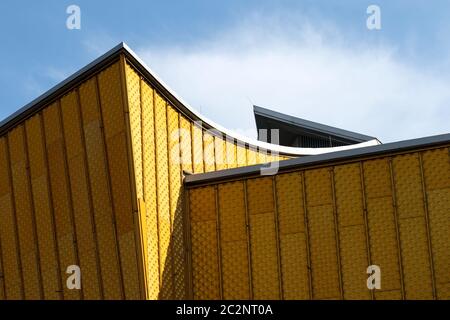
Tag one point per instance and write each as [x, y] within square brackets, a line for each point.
[312, 59]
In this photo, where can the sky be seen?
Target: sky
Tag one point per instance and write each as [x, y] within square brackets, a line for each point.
[315, 59]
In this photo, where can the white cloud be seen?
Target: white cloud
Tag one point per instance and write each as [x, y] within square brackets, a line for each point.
[309, 70]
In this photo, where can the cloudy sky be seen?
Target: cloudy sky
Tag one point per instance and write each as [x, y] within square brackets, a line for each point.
[312, 59]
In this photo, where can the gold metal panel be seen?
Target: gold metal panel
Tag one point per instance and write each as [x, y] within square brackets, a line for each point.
[264, 256]
[318, 187]
[220, 153]
[205, 271]
[260, 195]
[163, 195]
[291, 215]
[241, 154]
[24, 212]
[185, 144]
[100, 191]
[43, 211]
[415, 257]
[294, 266]
[208, 152]
[325, 277]
[60, 194]
[176, 205]
[8, 236]
[197, 148]
[230, 149]
[439, 213]
[354, 262]
[133, 82]
[436, 168]
[383, 241]
[349, 202]
[149, 175]
[408, 186]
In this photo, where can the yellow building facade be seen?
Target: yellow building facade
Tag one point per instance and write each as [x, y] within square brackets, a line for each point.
[112, 172]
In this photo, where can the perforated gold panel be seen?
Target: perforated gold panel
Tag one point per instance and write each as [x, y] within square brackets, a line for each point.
[293, 246]
[233, 236]
[43, 210]
[317, 241]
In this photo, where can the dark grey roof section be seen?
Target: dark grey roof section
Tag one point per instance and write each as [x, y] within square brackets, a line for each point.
[310, 125]
[401, 146]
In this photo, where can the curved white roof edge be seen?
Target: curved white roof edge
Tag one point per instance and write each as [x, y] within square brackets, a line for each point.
[251, 142]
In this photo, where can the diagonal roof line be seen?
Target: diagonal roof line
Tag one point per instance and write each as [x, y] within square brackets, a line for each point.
[311, 125]
[109, 57]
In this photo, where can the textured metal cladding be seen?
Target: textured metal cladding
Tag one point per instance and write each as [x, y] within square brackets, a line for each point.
[176, 203]
[8, 237]
[252, 156]
[86, 243]
[163, 196]
[100, 190]
[436, 167]
[208, 152]
[24, 213]
[185, 144]
[135, 113]
[412, 227]
[149, 176]
[291, 220]
[205, 273]
[220, 153]
[60, 190]
[231, 152]
[116, 145]
[42, 207]
[350, 213]
[167, 136]
[233, 235]
[263, 239]
[381, 223]
[197, 148]
[324, 259]
[241, 155]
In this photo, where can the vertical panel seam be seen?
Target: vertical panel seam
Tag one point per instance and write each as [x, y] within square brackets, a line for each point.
[131, 175]
[2, 270]
[170, 247]
[52, 210]
[89, 191]
[108, 180]
[156, 193]
[16, 231]
[69, 189]
[428, 230]
[249, 247]
[143, 162]
[188, 247]
[308, 249]
[336, 231]
[278, 241]
[180, 170]
[33, 212]
[397, 229]
[366, 220]
[218, 236]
